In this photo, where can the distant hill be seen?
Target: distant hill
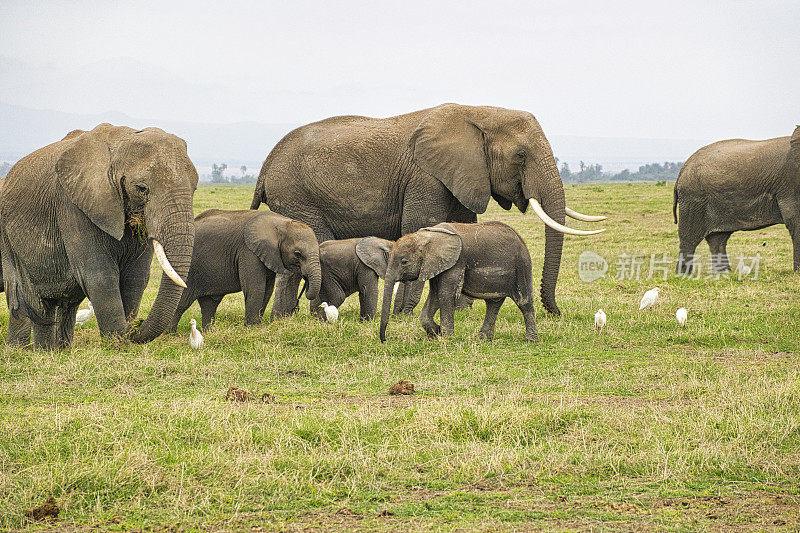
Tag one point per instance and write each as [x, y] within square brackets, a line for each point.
[23, 130]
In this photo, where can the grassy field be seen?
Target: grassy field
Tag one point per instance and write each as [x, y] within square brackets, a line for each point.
[646, 426]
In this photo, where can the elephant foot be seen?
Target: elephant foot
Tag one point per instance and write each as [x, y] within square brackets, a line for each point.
[485, 335]
[532, 338]
[433, 331]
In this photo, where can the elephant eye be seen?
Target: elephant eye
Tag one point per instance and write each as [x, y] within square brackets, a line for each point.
[404, 261]
[521, 155]
[298, 254]
[142, 188]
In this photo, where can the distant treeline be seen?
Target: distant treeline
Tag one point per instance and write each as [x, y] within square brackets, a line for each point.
[668, 171]
[218, 175]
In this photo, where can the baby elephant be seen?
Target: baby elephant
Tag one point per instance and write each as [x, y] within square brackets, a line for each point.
[352, 265]
[487, 261]
[243, 251]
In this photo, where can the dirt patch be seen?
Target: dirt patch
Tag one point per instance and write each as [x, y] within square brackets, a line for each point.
[402, 387]
[47, 511]
[235, 394]
[294, 372]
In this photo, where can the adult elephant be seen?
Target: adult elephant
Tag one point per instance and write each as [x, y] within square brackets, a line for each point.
[356, 176]
[77, 218]
[737, 185]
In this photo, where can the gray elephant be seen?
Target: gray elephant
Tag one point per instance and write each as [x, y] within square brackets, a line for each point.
[243, 251]
[737, 185]
[487, 261]
[349, 266]
[356, 176]
[82, 218]
[19, 329]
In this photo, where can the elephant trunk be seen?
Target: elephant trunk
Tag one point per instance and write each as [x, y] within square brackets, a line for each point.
[313, 275]
[553, 203]
[386, 307]
[176, 235]
[547, 188]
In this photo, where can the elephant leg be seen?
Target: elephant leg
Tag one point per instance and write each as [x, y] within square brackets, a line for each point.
[492, 308]
[426, 316]
[44, 334]
[102, 287]
[286, 302]
[691, 231]
[66, 324]
[269, 286]
[368, 295]
[717, 243]
[525, 305]
[19, 331]
[186, 301]
[790, 213]
[449, 289]
[253, 278]
[208, 310]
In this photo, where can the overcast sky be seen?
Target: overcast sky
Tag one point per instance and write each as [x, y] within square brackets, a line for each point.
[691, 70]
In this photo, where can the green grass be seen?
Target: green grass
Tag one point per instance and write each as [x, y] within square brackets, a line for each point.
[646, 426]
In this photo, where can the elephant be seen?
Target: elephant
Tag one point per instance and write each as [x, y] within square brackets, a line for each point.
[736, 185]
[487, 261]
[19, 329]
[349, 266]
[354, 176]
[98, 205]
[243, 251]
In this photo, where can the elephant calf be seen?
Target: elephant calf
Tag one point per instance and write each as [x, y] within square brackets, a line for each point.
[487, 261]
[352, 265]
[243, 251]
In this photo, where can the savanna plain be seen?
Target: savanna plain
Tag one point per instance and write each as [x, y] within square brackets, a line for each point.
[645, 426]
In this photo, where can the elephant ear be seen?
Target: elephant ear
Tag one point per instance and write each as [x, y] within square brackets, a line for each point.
[84, 172]
[794, 144]
[448, 145]
[374, 253]
[441, 248]
[263, 235]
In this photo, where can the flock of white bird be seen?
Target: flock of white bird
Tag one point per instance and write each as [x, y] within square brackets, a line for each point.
[648, 300]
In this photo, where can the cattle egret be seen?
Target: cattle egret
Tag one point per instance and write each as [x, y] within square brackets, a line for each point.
[599, 320]
[331, 313]
[681, 315]
[745, 270]
[84, 315]
[649, 299]
[195, 337]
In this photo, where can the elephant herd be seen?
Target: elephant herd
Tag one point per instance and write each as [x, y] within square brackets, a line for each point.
[351, 199]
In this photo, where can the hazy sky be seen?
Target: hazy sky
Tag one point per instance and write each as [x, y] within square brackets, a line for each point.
[698, 70]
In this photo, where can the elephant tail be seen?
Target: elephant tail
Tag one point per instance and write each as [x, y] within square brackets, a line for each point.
[257, 195]
[675, 203]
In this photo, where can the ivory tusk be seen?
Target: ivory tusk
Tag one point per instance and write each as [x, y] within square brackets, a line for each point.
[165, 266]
[537, 208]
[580, 216]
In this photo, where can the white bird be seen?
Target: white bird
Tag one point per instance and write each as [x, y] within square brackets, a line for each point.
[649, 298]
[195, 337]
[600, 320]
[745, 270]
[681, 315]
[84, 315]
[331, 313]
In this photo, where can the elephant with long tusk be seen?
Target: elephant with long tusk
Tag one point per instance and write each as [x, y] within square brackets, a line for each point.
[94, 202]
[354, 176]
